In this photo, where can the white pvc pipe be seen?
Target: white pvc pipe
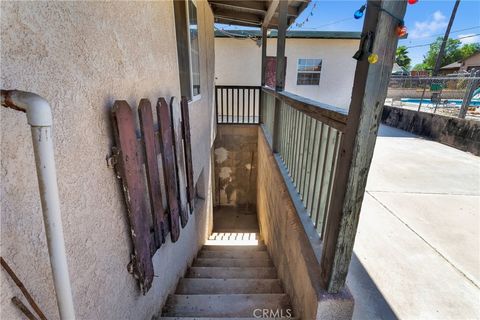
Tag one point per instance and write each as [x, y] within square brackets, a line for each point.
[39, 117]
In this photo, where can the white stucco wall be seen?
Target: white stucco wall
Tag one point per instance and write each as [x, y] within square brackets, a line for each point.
[82, 56]
[238, 62]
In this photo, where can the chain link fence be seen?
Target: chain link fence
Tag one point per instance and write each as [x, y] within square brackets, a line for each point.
[455, 95]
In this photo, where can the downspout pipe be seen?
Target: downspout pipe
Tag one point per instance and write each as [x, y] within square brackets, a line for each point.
[39, 116]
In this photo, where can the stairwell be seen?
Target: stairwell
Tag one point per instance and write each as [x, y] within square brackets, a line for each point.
[231, 277]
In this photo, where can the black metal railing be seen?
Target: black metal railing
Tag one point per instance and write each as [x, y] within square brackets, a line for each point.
[238, 104]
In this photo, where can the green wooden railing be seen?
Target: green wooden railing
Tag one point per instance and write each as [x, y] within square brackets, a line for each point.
[307, 138]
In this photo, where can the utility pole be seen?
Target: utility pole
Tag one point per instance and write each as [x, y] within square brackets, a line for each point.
[441, 52]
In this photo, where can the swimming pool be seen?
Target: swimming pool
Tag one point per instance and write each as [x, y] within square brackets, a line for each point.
[457, 102]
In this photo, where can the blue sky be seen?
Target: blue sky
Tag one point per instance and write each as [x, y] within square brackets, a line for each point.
[425, 20]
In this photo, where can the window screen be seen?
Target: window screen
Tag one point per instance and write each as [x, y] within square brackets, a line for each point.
[308, 71]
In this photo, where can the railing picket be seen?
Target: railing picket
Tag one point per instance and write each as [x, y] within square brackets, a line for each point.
[321, 201]
[316, 157]
[237, 91]
[301, 166]
[308, 156]
[289, 139]
[321, 164]
[310, 176]
[330, 183]
[294, 142]
[254, 104]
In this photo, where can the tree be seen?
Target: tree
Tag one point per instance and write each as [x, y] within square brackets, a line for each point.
[402, 58]
[419, 67]
[468, 49]
[452, 53]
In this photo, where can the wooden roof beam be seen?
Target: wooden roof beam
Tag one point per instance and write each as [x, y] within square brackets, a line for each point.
[253, 6]
[270, 13]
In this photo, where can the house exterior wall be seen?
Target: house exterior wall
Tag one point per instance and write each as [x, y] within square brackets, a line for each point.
[471, 62]
[238, 62]
[82, 56]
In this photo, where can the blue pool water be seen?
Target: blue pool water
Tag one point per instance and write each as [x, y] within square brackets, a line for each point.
[457, 102]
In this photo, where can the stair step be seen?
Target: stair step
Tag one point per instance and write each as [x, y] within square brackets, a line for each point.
[231, 273]
[233, 254]
[232, 286]
[216, 318]
[234, 248]
[231, 305]
[217, 262]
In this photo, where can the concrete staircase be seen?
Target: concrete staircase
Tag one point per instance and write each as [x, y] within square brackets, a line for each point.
[232, 277]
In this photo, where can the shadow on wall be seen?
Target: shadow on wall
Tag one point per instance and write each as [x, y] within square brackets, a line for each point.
[235, 152]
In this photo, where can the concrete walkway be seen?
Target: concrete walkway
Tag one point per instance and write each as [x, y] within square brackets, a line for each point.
[417, 252]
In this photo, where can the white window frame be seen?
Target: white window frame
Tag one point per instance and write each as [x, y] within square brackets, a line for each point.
[190, 67]
[319, 72]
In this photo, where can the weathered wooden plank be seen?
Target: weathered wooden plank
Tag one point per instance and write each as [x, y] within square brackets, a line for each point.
[281, 42]
[329, 115]
[187, 145]
[151, 165]
[129, 168]
[271, 12]
[179, 168]
[314, 170]
[168, 159]
[356, 149]
[264, 55]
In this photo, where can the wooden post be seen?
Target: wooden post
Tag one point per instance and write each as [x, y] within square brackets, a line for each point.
[280, 71]
[264, 54]
[282, 32]
[356, 149]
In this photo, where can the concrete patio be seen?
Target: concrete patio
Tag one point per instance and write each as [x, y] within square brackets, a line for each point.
[417, 251]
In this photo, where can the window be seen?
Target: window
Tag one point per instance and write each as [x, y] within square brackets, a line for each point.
[194, 49]
[308, 71]
[186, 28]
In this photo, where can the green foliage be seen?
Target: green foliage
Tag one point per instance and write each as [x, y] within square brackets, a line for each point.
[468, 49]
[419, 67]
[402, 58]
[453, 52]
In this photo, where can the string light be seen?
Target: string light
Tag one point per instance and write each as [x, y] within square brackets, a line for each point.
[373, 58]
[359, 13]
[301, 24]
[401, 30]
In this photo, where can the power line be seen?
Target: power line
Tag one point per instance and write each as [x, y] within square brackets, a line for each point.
[427, 44]
[441, 34]
[331, 23]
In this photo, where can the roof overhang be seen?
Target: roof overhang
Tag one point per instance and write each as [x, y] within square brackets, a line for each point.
[260, 13]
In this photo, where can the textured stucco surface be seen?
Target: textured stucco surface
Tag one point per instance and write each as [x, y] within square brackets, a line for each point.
[81, 57]
[239, 62]
[291, 244]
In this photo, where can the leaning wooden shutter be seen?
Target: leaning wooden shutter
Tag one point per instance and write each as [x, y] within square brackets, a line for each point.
[188, 152]
[129, 167]
[166, 144]
[151, 166]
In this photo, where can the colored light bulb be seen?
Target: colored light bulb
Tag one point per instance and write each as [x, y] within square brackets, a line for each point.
[373, 58]
[401, 31]
[358, 14]
[412, 1]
